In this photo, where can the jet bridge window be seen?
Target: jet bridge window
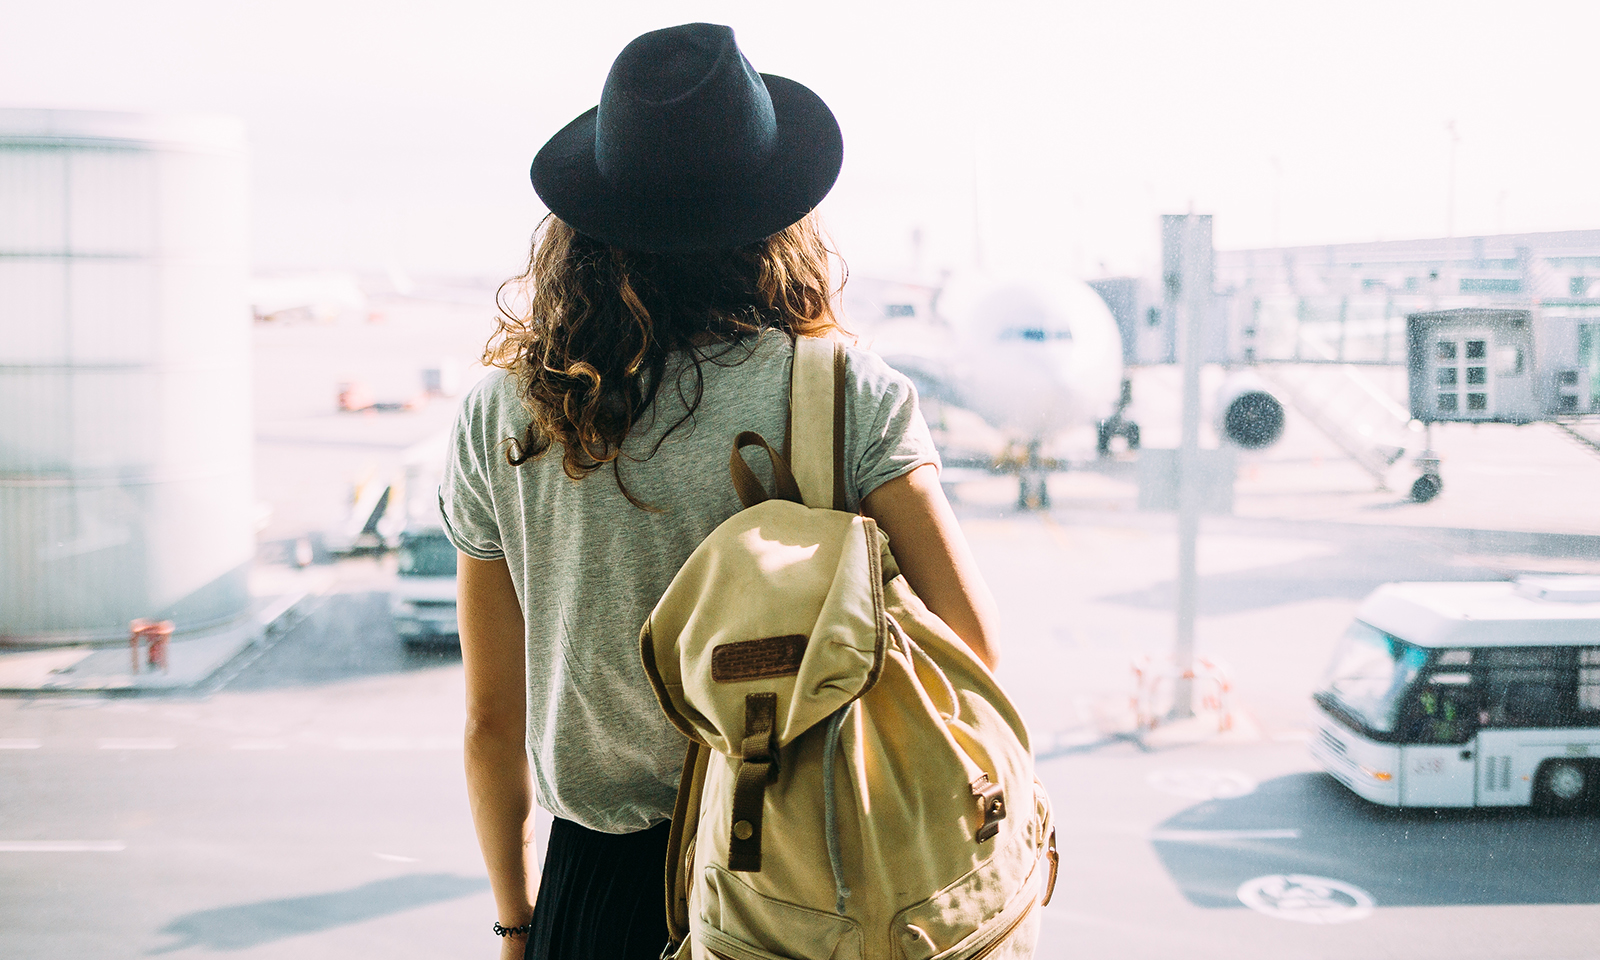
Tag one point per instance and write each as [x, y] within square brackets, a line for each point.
[1462, 363]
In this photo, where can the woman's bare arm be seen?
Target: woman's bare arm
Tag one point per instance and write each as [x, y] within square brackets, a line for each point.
[498, 784]
[934, 557]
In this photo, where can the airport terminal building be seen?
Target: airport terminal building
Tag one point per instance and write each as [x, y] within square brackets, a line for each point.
[1349, 303]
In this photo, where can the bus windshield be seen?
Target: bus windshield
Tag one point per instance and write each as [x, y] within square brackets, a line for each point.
[1370, 674]
[426, 555]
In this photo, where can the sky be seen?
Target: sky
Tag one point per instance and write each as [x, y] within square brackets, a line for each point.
[1036, 136]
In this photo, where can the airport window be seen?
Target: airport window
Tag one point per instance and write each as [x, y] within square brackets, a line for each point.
[1448, 403]
[1152, 317]
[1477, 349]
[1567, 378]
[1491, 285]
[1447, 350]
[1447, 376]
[1508, 361]
[1569, 401]
[1477, 401]
[1578, 286]
[1477, 375]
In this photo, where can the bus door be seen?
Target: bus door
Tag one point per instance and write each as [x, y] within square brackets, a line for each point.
[1523, 727]
[1439, 725]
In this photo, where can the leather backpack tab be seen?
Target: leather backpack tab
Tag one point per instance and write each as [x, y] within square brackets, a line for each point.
[858, 786]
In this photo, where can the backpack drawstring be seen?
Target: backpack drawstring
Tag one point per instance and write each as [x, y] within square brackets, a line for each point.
[830, 804]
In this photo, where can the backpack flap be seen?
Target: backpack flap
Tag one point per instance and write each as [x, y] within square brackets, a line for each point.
[773, 623]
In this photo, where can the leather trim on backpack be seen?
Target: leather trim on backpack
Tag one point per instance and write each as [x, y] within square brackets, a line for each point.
[758, 659]
[758, 762]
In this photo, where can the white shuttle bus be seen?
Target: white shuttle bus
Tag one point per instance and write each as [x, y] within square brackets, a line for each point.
[1468, 694]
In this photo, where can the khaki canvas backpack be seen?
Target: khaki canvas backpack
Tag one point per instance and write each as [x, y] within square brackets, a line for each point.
[858, 786]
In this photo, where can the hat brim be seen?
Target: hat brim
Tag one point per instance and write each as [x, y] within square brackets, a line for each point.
[806, 161]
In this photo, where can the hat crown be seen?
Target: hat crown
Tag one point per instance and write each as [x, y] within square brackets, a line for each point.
[683, 111]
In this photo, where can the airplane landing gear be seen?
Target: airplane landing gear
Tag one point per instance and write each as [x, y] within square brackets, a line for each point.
[1033, 482]
[1427, 486]
[1033, 490]
[1118, 426]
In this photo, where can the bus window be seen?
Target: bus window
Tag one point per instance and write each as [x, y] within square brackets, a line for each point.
[1442, 713]
[1524, 698]
[1370, 674]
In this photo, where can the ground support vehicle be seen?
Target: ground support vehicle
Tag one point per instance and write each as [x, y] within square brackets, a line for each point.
[1468, 694]
[423, 602]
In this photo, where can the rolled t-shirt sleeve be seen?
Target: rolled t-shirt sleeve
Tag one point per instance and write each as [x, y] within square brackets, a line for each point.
[887, 436]
[466, 499]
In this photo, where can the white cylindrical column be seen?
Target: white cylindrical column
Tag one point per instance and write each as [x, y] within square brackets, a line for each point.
[125, 427]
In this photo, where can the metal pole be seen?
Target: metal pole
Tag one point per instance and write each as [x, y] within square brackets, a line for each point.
[1194, 301]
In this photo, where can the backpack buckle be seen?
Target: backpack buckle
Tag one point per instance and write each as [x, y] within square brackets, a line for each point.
[991, 799]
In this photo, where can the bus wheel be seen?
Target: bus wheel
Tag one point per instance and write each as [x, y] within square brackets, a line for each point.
[1561, 786]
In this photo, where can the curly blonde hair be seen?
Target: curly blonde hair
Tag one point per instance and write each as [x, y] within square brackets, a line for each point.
[589, 329]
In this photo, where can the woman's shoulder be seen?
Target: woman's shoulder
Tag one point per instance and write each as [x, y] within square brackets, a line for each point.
[490, 397]
[871, 376]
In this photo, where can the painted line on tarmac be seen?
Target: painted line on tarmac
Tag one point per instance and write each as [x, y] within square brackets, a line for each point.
[62, 846]
[138, 743]
[390, 744]
[395, 858]
[1222, 836]
[15, 743]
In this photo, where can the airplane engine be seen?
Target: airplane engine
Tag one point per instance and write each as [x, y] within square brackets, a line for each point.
[1248, 415]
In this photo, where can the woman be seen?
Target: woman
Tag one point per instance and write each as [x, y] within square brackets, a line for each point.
[663, 294]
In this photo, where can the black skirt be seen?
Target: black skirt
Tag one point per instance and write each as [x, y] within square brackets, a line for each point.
[601, 895]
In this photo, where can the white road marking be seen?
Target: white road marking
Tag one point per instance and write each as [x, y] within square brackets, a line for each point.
[395, 858]
[399, 743]
[1201, 783]
[19, 744]
[62, 846]
[1222, 836]
[259, 745]
[138, 743]
[1306, 899]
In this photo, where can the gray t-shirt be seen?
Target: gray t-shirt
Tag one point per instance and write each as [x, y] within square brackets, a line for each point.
[589, 566]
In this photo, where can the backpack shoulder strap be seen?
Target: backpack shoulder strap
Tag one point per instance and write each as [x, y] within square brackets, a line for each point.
[816, 421]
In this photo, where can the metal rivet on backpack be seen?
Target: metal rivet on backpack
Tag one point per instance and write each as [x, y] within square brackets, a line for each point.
[743, 830]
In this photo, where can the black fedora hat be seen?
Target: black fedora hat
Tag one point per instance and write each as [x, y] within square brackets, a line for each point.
[690, 149]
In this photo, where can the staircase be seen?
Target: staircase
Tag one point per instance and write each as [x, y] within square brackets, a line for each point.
[1357, 415]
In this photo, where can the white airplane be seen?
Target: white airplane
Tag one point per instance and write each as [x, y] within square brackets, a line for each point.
[1030, 360]
[1007, 364]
